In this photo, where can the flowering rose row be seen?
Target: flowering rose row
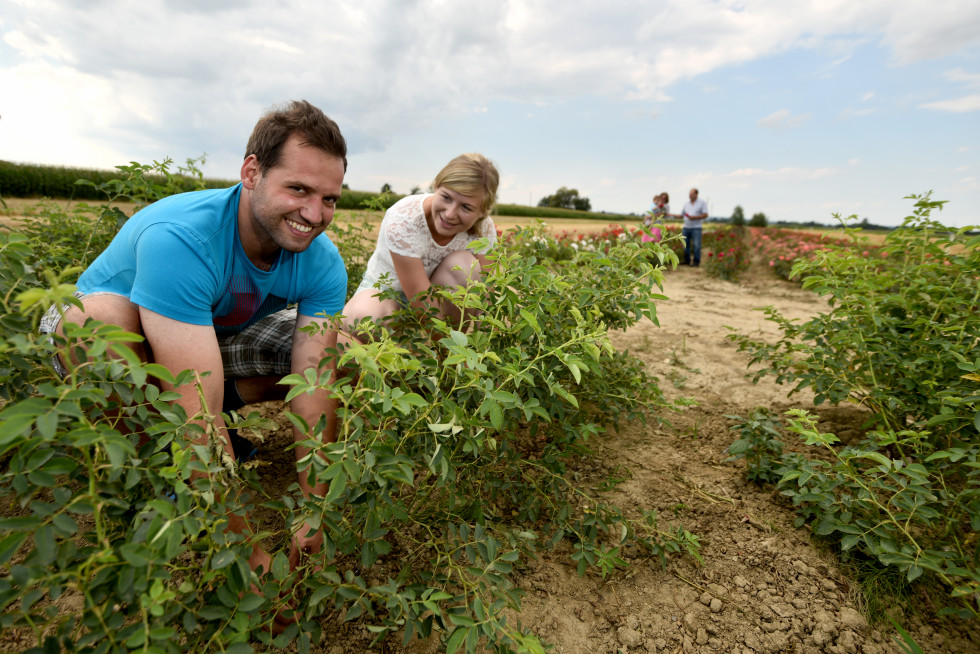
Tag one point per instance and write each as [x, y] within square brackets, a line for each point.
[781, 248]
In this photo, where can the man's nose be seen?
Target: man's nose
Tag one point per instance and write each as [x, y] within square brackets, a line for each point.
[312, 211]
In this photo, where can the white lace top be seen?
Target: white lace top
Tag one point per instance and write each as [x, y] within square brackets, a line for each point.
[405, 232]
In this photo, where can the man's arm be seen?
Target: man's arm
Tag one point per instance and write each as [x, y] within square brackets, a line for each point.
[307, 352]
[703, 214]
[181, 346]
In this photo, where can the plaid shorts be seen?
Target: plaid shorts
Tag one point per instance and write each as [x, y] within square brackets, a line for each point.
[264, 348]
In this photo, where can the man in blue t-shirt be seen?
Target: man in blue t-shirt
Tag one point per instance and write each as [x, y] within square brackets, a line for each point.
[209, 279]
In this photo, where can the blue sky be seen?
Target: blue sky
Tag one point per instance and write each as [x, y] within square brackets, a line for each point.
[796, 108]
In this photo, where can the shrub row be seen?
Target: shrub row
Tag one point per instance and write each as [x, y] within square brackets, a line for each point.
[19, 180]
[36, 181]
[900, 338]
[554, 212]
[451, 470]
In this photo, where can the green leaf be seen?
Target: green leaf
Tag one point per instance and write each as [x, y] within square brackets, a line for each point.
[251, 602]
[496, 415]
[886, 463]
[280, 566]
[461, 620]
[44, 544]
[10, 543]
[65, 524]
[456, 639]
[222, 559]
[825, 527]
[18, 524]
[413, 399]
[531, 320]
[354, 612]
[337, 486]
[47, 425]
[116, 452]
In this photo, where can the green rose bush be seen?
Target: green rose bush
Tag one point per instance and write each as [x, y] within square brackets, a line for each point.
[454, 465]
[901, 338]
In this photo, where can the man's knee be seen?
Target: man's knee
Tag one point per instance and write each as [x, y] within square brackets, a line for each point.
[107, 308]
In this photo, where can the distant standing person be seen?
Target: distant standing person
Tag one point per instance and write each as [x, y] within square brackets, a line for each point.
[694, 213]
[659, 210]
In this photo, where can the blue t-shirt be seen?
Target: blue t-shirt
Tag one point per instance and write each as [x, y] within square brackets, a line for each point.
[182, 257]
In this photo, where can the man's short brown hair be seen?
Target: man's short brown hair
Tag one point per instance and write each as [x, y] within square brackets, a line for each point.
[301, 118]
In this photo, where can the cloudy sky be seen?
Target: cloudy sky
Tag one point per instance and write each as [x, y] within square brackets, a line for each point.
[797, 108]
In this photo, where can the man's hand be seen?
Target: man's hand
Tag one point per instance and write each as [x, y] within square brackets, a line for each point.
[306, 541]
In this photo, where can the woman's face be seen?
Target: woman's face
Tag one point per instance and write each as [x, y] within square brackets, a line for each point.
[454, 213]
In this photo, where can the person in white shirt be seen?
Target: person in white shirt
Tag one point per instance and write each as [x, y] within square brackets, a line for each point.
[423, 241]
[694, 213]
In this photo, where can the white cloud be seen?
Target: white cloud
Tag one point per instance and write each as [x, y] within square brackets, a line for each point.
[851, 112]
[970, 80]
[394, 64]
[962, 104]
[783, 174]
[783, 119]
[867, 96]
[959, 105]
[930, 30]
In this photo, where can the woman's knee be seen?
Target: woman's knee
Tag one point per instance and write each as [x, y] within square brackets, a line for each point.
[457, 269]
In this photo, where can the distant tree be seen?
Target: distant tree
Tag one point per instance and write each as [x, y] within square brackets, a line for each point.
[386, 188]
[758, 220]
[738, 216]
[415, 190]
[566, 198]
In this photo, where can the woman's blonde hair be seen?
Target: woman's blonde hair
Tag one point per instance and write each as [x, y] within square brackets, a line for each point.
[471, 174]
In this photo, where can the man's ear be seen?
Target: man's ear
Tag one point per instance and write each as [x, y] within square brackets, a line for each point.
[250, 172]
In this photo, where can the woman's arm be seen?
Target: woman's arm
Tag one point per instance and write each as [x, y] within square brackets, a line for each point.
[411, 275]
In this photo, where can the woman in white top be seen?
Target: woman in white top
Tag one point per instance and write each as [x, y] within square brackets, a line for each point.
[422, 240]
